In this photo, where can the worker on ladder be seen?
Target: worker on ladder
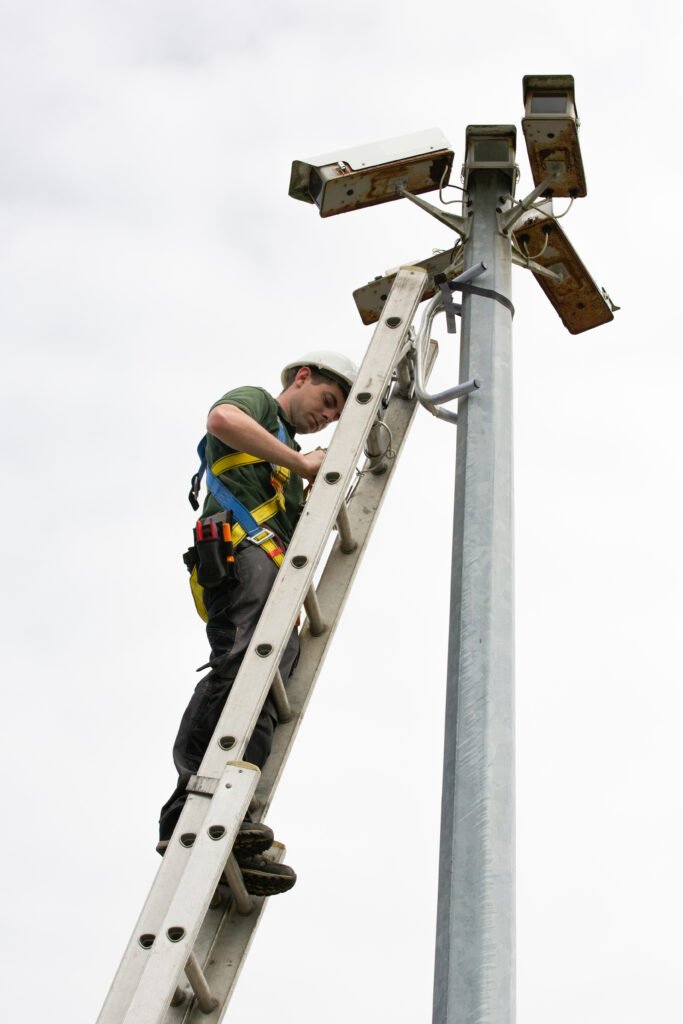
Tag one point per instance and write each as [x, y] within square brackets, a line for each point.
[255, 473]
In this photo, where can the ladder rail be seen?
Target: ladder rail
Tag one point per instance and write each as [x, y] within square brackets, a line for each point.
[181, 869]
[170, 948]
[225, 942]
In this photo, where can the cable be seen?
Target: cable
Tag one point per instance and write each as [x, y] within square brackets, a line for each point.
[538, 254]
[559, 216]
[448, 202]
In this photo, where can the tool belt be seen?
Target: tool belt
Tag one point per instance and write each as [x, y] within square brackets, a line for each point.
[212, 556]
[211, 559]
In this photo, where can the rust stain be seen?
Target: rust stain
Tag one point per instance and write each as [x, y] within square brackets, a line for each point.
[370, 298]
[356, 188]
[583, 305]
[549, 141]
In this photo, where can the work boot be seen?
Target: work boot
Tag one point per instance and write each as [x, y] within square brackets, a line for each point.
[265, 877]
[253, 838]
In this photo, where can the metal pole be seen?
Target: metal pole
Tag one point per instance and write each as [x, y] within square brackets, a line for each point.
[475, 941]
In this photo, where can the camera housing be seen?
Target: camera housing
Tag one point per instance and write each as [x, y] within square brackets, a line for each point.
[370, 298]
[577, 299]
[551, 130]
[490, 147]
[353, 178]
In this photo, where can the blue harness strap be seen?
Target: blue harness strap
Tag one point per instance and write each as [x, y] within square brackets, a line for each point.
[222, 493]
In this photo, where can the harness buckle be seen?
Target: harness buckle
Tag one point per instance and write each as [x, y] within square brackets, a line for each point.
[194, 491]
[261, 537]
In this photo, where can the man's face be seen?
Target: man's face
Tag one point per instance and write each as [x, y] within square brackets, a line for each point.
[312, 406]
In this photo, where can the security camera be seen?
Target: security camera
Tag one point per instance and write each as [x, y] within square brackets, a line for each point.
[364, 176]
[579, 302]
[490, 147]
[551, 130]
[370, 298]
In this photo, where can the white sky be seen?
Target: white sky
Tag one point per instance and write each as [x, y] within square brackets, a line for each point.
[151, 259]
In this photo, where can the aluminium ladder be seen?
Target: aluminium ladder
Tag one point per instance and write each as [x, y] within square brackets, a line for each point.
[185, 953]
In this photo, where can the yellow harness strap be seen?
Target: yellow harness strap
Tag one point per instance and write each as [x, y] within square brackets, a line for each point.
[228, 462]
[262, 513]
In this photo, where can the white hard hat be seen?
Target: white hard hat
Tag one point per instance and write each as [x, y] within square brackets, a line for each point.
[333, 363]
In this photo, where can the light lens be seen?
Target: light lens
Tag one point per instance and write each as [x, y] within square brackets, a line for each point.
[548, 104]
[491, 151]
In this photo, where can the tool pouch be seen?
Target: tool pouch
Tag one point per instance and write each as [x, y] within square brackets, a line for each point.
[212, 554]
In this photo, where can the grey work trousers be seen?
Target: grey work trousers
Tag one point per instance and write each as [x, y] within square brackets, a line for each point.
[234, 609]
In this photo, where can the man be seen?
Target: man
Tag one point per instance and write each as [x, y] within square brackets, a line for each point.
[251, 451]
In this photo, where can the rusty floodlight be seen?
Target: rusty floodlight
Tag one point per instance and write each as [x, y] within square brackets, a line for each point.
[490, 147]
[551, 130]
[351, 179]
[579, 302]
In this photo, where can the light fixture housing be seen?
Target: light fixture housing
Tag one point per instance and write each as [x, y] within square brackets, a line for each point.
[370, 298]
[551, 130]
[577, 299]
[490, 147]
[353, 178]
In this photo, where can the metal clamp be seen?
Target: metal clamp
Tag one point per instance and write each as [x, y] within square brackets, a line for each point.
[202, 785]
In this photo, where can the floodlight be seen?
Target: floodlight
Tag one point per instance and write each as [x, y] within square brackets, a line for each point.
[577, 299]
[364, 176]
[551, 130]
[490, 147]
[370, 298]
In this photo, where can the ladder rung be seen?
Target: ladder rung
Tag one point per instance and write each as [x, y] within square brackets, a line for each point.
[179, 996]
[195, 976]
[233, 877]
[316, 623]
[280, 699]
[348, 544]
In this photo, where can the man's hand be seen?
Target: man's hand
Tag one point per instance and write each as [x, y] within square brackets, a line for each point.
[311, 463]
[238, 430]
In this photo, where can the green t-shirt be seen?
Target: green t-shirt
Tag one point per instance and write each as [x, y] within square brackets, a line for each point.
[251, 484]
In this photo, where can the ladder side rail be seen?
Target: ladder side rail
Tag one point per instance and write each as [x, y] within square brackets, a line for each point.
[333, 592]
[317, 521]
[224, 942]
[222, 946]
[170, 948]
[257, 671]
[154, 909]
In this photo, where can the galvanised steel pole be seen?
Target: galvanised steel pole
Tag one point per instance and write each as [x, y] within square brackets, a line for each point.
[475, 942]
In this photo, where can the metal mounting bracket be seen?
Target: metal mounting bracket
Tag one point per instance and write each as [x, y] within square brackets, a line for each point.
[451, 220]
[506, 218]
[462, 284]
[524, 261]
[420, 341]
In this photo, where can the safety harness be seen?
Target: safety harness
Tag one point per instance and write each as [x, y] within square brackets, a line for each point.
[236, 521]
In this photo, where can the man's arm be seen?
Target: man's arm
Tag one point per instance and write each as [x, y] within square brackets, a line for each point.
[240, 431]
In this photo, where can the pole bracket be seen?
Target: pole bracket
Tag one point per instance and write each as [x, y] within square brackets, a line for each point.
[460, 225]
[506, 218]
[488, 293]
[462, 284]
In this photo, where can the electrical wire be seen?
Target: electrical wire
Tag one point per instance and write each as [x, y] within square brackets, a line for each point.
[559, 216]
[448, 202]
[539, 253]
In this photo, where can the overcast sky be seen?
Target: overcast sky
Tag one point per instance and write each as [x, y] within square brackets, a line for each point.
[151, 259]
